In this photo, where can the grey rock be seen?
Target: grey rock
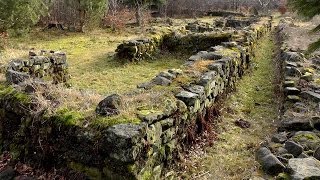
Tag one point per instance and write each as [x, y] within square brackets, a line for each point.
[15, 77]
[311, 95]
[229, 44]
[289, 84]
[291, 64]
[216, 67]
[110, 105]
[195, 58]
[292, 56]
[281, 150]
[205, 55]
[167, 75]
[207, 77]
[211, 56]
[304, 168]
[317, 153]
[122, 141]
[309, 140]
[196, 89]
[296, 124]
[187, 97]
[175, 72]
[216, 48]
[146, 85]
[279, 138]
[269, 162]
[151, 117]
[292, 71]
[292, 91]
[16, 64]
[293, 148]
[316, 122]
[162, 81]
[303, 155]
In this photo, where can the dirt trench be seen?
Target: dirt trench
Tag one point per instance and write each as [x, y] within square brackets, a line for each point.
[248, 116]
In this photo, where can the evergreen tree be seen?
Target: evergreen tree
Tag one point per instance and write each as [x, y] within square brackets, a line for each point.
[20, 15]
[308, 9]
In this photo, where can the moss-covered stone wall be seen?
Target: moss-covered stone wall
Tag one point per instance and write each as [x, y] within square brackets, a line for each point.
[47, 66]
[131, 151]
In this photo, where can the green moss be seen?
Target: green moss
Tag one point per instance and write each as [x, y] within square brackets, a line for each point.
[283, 176]
[306, 136]
[93, 173]
[9, 91]
[147, 175]
[120, 119]
[15, 150]
[68, 117]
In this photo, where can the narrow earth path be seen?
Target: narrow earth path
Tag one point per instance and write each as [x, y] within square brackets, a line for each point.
[232, 155]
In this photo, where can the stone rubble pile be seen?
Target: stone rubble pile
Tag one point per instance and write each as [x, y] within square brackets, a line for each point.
[293, 152]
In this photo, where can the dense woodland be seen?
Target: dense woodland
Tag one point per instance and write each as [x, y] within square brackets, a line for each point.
[20, 15]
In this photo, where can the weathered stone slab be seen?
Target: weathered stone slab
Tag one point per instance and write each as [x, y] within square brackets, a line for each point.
[311, 95]
[296, 124]
[188, 97]
[16, 77]
[304, 168]
[269, 162]
[293, 148]
[123, 141]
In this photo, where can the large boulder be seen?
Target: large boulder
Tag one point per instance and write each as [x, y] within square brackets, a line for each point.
[110, 105]
[304, 168]
[296, 124]
[293, 148]
[124, 142]
[269, 162]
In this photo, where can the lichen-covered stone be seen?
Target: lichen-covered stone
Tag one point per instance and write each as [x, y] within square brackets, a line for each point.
[304, 168]
[110, 105]
[124, 141]
[269, 162]
[188, 97]
[16, 77]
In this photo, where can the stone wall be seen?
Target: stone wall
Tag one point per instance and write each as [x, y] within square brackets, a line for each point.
[46, 66]
[131, 151]
[220, 30]
[293, 152]
[155, 142]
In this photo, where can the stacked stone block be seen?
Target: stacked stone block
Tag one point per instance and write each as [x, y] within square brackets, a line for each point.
[52, 65]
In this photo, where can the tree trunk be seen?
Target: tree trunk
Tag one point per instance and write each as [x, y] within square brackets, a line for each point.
[139, 15]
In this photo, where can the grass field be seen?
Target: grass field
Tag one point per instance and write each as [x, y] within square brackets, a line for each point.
[91, 59]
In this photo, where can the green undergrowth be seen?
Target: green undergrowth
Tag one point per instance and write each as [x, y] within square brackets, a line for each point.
[7, 91]
[232, 156]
